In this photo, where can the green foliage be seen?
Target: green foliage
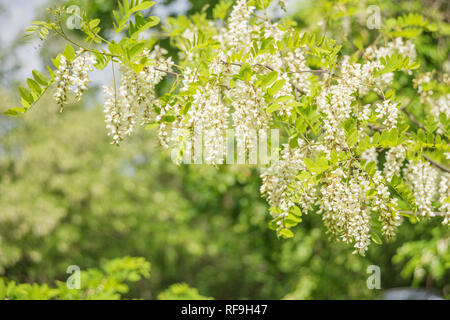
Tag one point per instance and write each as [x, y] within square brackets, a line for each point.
[42, 28]
[181, 291]
[221, 10]
[407, 26]
[108, 283]
[127, 8]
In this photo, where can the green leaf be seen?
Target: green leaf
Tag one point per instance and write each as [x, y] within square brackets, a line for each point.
[142, 6]
[93, 23]
[384, 139]
[69, 52]
[126, 10]
[26, 95]
[393, 137]
[34, 86]
[286, 233]
[169, 118]
[376, 138]
[220, 10]
[267, 79]
[245, 73]
[273, 224]
[14, 112]
[296, 212]
[151, 125]
[370, 168]
[376, 238]
[293, 142]
[40, 78]
[142, 24]
[421, 135]
[414, 65]
[312, 166]
[276, 87]
[289, 223]
[272, 108]
[352, 138]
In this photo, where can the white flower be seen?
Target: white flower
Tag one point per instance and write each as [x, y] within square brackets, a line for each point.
[394, 160]
[113, 115]
[209, 117]
[389, 111]
[444, 193]
[136, 95]
[62, 79]
[73, 76]
[280, 186]
[79, 79]
[370, 155]
[422, 179]
[238, 34]
[344, 209]
[249, 115]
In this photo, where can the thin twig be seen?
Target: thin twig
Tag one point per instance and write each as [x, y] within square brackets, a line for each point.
[436, 164]
[175, 74]
[433, 214]
[412, 118]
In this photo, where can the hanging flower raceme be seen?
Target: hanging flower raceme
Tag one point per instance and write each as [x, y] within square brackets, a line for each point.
[422, 178]
[73, 76]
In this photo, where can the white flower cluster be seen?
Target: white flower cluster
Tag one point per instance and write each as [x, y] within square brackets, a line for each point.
[73, 76]
[344, 209]
[171, 133]
[388, 111]
[444, 194]
[437, 104]
[386, 206]
[370, 155]
[177, 133]
[280, 186]
[62, 78]
[296, 62]
[442, 106]
[398, 45]
[238, 34]
[135, 96]
[343, 201]
[394, 160]
[335, 103]
[113, 117]
[209, 116]
[419, 82]
[79, 79]
[249, 115]
[423, 181]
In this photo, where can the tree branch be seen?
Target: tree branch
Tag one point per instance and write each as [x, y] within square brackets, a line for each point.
[412, 118]
[434, 214]
[436, 164]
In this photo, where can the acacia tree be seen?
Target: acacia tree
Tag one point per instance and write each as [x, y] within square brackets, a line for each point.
[351, 151]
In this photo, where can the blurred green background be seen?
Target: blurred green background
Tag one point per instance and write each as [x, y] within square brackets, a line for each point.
[68, 197]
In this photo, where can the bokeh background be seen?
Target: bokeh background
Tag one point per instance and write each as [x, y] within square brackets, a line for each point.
[69, 197]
